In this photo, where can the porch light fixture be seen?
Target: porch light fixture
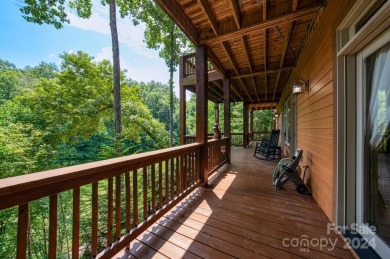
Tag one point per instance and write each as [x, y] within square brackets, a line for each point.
[301, 85]
[223, 149]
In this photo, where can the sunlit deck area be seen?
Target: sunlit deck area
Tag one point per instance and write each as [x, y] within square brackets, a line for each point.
[241, 215]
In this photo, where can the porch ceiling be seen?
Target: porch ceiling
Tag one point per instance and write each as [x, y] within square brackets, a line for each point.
[257, 40]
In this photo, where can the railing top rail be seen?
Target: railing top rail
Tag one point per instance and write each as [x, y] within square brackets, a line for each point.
[217, 140]
[24, 188]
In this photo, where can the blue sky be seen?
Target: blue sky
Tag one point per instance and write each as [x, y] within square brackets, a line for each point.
[24, 43]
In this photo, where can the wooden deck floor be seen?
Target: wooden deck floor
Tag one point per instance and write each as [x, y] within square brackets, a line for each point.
[241, 215]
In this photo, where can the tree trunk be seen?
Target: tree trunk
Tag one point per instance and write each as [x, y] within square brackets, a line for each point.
[171, 35]
[116, 77]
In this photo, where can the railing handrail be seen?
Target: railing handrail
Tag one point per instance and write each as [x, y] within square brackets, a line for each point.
[25, 188]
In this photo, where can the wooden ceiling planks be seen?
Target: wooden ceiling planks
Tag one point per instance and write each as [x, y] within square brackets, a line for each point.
[259, 40]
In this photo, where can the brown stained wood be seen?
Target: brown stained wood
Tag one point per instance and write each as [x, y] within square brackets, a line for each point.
[21, 249]
[135, 198]
[110, 210]
[202, 108]
[117, 207]
[53, 226]
[215, 62]
[264, 10]
[20, 189]
[296, 15]
[145, 192]
[235, 6]
[177, 176]
[160, 186]
[276, 85]
[262, 73]
[128, 201]
[172, 176]
[226, 109]
[208, 12]
[166, 182]
[242, 214]
[176, 13]
[182, 114]
[95, 208]
[127, 238]
[153, 184]
[76, 224]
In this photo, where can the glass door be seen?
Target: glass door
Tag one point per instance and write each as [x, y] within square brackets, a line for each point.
[373, 144]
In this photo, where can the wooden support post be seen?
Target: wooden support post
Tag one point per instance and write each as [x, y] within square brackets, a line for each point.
[216, 112]
[245, 124]
[202, 108]
[226, 107]
[251, 121]
[183, 115]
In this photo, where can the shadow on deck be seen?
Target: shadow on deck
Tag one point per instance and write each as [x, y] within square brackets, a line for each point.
[241, 215]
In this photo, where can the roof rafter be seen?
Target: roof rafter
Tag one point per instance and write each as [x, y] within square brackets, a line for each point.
[250, 64]
[296, 15]
[236, 12]
[173, 9]
[229, 53]
[206, 8]
[265, 64]
[216, 63]
[286, 42]
[261, 73]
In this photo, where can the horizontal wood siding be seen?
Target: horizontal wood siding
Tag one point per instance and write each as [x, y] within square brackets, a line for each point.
[316, 109]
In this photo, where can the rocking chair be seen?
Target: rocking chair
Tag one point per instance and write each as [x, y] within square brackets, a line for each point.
[268, 147]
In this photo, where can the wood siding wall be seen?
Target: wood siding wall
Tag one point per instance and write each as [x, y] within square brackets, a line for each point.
[316, 109]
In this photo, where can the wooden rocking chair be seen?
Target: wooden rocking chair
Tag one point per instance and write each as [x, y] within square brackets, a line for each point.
[268, 147]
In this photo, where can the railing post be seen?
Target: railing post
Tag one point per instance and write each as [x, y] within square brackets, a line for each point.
[226, 107]
[182, 115]
[245, 124]
[202, 108]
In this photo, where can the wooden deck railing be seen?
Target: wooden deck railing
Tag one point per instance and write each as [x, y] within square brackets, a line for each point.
[217, 150]
[189, 65]
[164, 176]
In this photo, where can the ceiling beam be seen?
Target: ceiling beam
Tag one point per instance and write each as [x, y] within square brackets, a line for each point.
[229, 53]
[296, 15]
[173, 9]
[236, 12]
[255, 106]
[286, 42]
[276, 84]
[216, 63]
[206, 9]
[264, 10]
[250, 63]
[261, 73]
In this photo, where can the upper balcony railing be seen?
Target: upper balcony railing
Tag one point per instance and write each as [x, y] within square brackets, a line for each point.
[187, 66]
[124, 196]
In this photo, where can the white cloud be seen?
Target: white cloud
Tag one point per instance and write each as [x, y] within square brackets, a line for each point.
[128, 34]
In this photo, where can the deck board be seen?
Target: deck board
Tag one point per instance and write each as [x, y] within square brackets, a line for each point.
[240, 215]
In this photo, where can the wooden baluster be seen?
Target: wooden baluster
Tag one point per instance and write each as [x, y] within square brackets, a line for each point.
[166, 182]
[172, 179]
[145, 192]
[135, 197]
[22, 231]
[160, 185]
[94, 241]
[185, 172]
[193, 177]
[53, 226]
[118, 207]
[110, 194]
[197, 165]
[153, 189]
[128, 204]
[76, 224]
[178, 176]
[181, 174]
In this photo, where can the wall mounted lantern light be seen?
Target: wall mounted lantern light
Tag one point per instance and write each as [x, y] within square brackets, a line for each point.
[301, 85]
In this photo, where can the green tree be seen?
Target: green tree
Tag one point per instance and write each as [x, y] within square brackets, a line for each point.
[54, 12]
[161, 33]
